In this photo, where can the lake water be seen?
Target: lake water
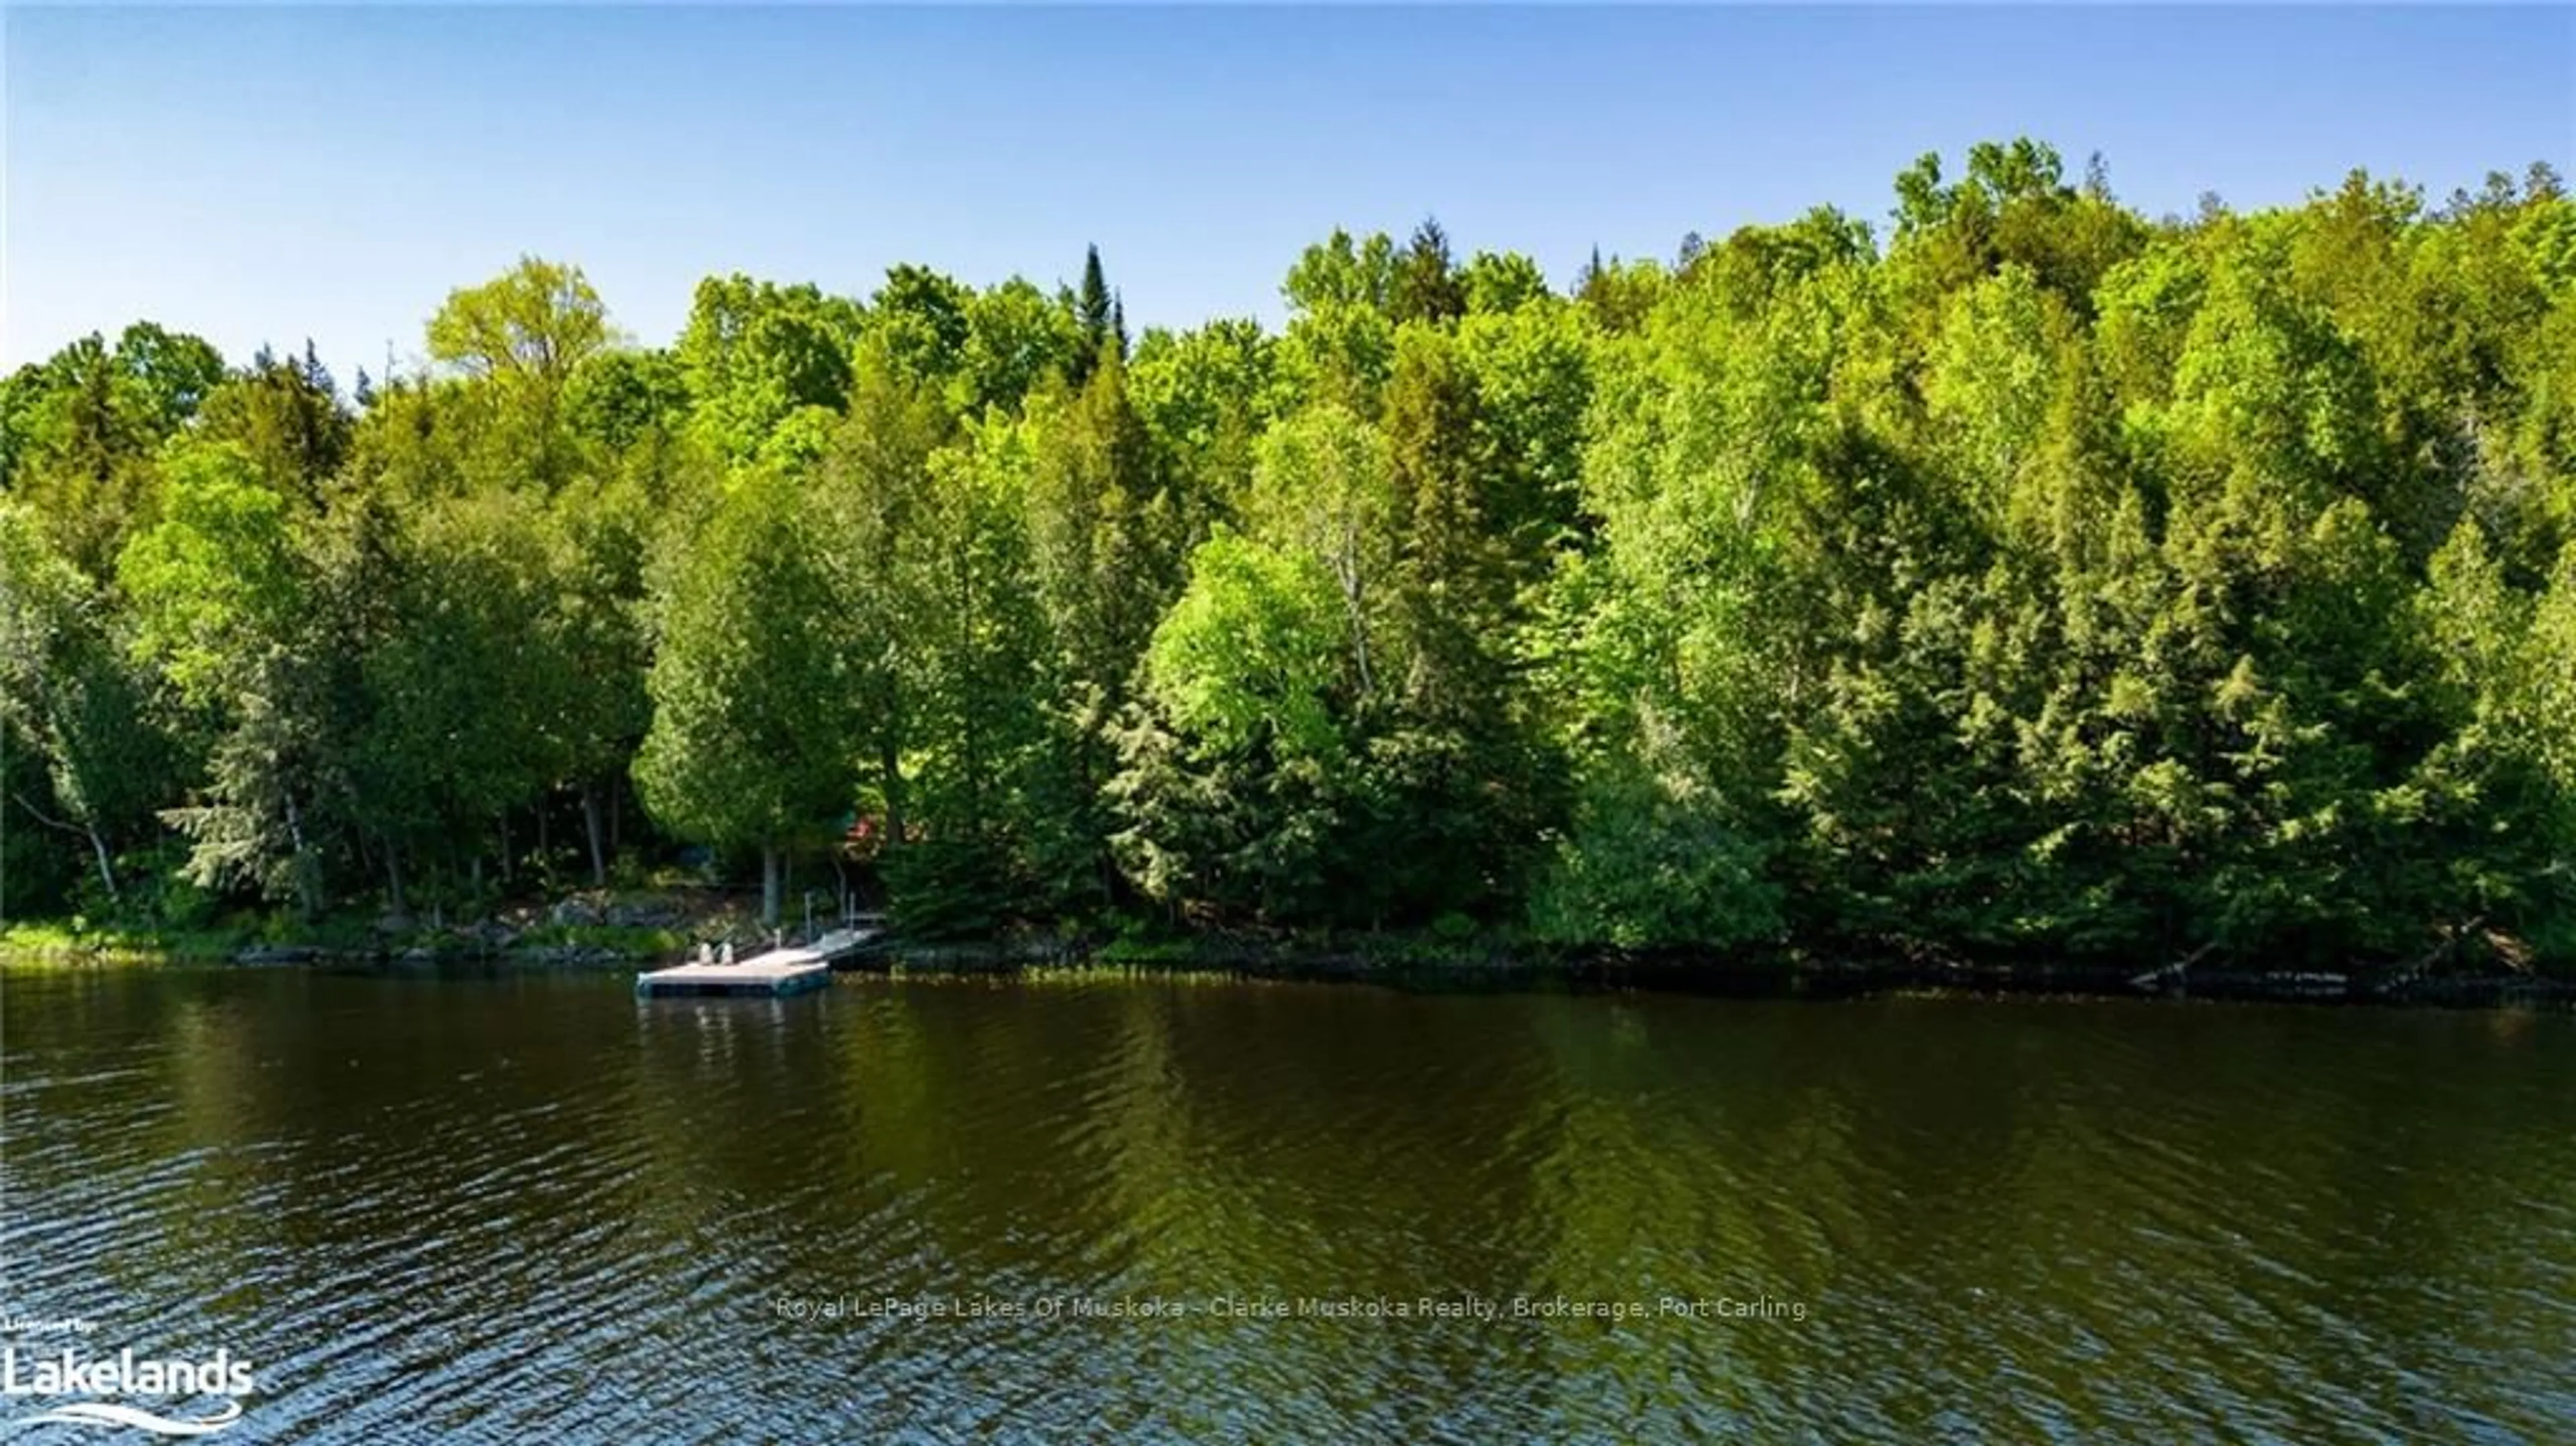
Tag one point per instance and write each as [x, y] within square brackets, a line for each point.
[525, 1206]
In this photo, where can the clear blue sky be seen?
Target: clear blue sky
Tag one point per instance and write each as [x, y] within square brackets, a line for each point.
[277, 173]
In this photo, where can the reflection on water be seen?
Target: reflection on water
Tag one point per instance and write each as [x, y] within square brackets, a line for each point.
[471, 1208]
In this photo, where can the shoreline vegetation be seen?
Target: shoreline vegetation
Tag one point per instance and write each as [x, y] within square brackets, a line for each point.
[606, 930]
[2018, 590]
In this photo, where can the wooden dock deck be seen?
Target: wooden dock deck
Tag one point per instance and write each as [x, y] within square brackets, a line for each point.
[772, 974]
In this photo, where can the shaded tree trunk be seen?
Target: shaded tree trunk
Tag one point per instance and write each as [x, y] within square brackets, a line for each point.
[772, 872]
[592, 828]
[308, 892]
[106, 869]
[394, 881]
[97, 844]
[891, 768]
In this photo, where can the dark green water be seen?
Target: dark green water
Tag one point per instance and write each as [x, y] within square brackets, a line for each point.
[530, 1207]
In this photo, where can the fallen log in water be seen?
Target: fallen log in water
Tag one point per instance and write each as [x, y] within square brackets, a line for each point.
[2156, 981]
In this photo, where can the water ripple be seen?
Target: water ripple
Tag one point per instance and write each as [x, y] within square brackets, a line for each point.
[501, 1207]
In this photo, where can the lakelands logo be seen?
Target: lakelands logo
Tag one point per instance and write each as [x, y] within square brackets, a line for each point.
[66, 1371]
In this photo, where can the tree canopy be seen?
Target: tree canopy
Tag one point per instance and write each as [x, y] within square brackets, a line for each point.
[2020, 577]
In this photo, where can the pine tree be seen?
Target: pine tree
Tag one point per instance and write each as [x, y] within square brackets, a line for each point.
[1427, 286]
[1098, 312]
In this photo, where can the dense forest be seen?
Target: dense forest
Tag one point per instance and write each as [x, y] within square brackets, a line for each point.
[2022, 577]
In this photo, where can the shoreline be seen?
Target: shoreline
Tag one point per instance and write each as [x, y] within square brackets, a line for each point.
[1773, 977]
[1400, 961]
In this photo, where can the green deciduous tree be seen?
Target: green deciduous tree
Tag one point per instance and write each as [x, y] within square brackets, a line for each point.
[73, 696]
[228, 607]
[536, 323]
[754, 353]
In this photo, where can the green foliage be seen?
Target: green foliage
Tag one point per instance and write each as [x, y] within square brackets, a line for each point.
[228, 607]
[1657, 867]
[1016, 338]
[1619, 295]
[78, 431]
[1342, 272]
[920, 323]
[1501, 283]
[754, 352]
[1100, 322]
[618, 399]
[2040, 581]
[1427, 286]
[74, 701]
[216, 580]
[537, 322]
[1249, 653]
[286, 416]
[751, 708]
[1108, 535]
[1206, 397]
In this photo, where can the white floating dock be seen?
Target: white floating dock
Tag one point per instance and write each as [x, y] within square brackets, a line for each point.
[773, 974]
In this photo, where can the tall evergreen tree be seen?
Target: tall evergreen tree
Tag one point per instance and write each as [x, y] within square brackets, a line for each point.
[1096, 309]
[753, 711]
[1427, 284]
